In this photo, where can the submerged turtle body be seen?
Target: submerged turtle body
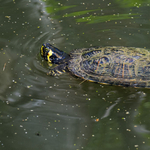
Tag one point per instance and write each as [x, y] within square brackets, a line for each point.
[126, 66]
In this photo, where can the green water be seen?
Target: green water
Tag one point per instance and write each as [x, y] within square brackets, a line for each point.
[52, 113]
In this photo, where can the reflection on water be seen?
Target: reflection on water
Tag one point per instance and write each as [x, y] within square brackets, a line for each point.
[43, 112]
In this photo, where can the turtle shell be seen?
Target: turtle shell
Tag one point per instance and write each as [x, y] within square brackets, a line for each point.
[126, 66]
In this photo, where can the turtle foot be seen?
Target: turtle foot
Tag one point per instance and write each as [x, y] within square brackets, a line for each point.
[54, 73]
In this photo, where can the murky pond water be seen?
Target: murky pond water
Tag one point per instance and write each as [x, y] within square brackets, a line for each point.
[44, 112]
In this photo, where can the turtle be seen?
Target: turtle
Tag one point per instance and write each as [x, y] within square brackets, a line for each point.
[113, 65]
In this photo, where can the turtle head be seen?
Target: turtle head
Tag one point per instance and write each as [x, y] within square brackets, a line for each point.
[52, 54]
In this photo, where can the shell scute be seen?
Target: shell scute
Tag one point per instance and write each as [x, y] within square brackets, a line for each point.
[128, 66]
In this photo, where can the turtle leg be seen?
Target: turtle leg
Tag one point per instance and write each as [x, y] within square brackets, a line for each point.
[58, 70]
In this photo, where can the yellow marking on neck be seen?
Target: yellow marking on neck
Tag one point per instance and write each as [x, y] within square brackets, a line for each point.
[58, 55]
[49, 54]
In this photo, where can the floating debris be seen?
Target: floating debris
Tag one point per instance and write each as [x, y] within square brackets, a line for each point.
[8, 17]
[4, 66]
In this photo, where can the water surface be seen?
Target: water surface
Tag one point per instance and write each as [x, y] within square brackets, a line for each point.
[43, 112]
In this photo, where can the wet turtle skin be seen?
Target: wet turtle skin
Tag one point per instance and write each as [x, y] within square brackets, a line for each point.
[115, 65]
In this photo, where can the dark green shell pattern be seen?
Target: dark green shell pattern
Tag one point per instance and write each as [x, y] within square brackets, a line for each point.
[127, 66]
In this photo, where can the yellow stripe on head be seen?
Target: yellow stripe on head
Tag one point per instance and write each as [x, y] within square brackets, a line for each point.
[42, 50]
